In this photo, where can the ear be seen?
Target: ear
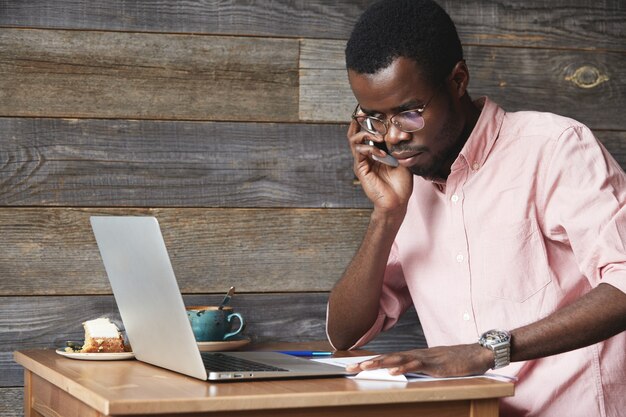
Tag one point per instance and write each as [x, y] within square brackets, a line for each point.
[460, 78]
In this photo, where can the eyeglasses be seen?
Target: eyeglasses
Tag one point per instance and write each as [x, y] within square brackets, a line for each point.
[408, 121]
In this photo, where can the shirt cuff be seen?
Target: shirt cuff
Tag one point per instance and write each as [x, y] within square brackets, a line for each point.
[369, 335]
[615, 276]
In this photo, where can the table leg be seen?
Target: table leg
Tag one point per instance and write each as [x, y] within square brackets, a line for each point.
[485, 408]
[28, 395]
[47, 400]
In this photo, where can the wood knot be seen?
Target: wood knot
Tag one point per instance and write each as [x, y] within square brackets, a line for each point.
[587, 76]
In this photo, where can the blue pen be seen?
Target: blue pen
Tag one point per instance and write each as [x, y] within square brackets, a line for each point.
[305, 352]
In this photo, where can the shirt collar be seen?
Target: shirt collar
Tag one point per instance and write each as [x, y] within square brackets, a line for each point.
[483, 136]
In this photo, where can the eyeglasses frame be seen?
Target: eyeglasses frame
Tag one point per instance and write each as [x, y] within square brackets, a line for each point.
[385, 123]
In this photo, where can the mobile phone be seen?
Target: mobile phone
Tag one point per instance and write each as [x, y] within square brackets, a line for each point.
[387, 159]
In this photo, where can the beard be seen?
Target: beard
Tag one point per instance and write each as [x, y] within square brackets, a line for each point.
[452, 137]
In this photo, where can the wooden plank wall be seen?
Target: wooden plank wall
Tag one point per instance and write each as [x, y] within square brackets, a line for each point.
[227, 121]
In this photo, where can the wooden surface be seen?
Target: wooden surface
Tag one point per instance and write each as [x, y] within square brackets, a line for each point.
[564, 24]
[11, 400]
[163, 76]
[570, 83]
[132, 387]
[227, 120]
[325, 19]
[79, 74]
[264, 250]
[133, 163]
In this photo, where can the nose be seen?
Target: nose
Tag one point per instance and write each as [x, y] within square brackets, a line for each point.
[395, 135]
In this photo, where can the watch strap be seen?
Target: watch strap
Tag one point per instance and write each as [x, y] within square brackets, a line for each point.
[499, 341]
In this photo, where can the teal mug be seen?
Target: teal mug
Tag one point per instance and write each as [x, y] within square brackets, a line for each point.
[210, 324]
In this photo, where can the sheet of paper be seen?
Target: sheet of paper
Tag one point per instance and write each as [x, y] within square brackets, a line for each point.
[344, 361]
[380, 375]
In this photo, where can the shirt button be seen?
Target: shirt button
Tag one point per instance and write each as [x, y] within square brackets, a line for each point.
[466, 316]
[460, 257]
[454, 198]
[475, 166]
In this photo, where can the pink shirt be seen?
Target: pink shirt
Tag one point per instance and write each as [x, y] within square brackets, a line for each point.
[531, 217]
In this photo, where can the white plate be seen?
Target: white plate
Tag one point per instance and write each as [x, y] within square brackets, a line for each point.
[224, 345]
[104, 356]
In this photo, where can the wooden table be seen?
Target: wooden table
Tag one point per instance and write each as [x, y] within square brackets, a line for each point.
[56, 386]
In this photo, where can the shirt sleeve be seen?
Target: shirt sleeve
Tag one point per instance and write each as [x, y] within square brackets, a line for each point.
[584, 205]
[395, 300]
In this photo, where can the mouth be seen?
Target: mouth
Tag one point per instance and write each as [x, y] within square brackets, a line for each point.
[407, 159]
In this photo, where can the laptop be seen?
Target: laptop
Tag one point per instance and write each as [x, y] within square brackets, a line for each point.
[154, 315]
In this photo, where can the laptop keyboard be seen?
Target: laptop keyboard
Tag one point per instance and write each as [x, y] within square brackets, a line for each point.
[218, 362]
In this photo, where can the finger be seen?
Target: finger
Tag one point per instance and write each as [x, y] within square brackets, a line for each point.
[391, 361]
[399, 363]
[369, 150]
[358, 367]
[363, 366]
[355, 367]
[353, 128]
[359, 138]
[359, 152]
[375, 139]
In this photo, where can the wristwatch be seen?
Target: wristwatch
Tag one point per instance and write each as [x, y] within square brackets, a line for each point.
[499, 341]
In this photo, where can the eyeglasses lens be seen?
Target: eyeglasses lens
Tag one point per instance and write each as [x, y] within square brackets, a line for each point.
[374, 125]
[409, 121]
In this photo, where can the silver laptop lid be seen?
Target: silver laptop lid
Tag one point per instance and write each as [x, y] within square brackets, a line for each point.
[146, 292]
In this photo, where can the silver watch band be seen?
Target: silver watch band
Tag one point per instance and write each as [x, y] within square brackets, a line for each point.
[501, 354]
[499, 341]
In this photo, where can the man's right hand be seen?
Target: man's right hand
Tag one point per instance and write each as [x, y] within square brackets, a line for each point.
[387, 187]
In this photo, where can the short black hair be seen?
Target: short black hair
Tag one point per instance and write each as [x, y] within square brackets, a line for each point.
[417, 29]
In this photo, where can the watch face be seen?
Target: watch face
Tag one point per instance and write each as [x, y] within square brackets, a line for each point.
[496, 336]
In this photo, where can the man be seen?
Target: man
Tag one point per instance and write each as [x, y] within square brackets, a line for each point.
[508, 228]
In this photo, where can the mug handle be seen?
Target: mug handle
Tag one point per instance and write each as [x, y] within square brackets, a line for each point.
[242, 324]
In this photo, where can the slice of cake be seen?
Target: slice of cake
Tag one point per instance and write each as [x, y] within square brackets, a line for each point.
[102, 336]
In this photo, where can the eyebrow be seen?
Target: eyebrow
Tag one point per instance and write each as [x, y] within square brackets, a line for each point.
[410, 105]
